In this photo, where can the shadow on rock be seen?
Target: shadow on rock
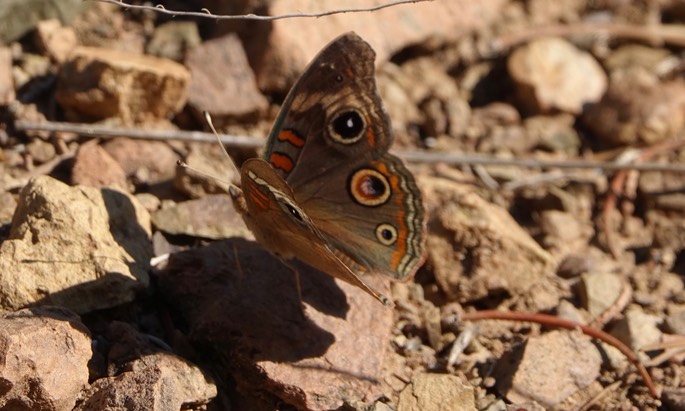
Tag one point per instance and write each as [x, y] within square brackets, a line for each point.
[250, 304]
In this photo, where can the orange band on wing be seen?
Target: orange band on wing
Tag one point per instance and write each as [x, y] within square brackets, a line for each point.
[290, 137]
[281, 161]
[257, 197]
[371, 137]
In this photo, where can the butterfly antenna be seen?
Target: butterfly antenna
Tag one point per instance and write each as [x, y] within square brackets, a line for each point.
[208, 119]
[183, 164]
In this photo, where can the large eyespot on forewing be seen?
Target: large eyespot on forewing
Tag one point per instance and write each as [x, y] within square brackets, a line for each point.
[347, 126]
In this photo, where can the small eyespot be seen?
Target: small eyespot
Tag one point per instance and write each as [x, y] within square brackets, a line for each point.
[295, 213]
[347, 127]
[386, 234]
[339, 78]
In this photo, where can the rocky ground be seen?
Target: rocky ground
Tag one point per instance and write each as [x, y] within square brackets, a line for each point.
[93, 316]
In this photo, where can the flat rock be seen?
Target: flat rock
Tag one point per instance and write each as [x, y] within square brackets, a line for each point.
[145, 378]
[223, 83]
[94, 167]
[637, 328]
[280, 53]
[96, 84]
[246, 313]
[211, 216]
[477, 249]
[57, 41]
[551, 74]
[7, 94]
[637, 109]
[145, 161]
[599, 290]
[437, 392]
[44, 354]
[548, 368]
[79, 247]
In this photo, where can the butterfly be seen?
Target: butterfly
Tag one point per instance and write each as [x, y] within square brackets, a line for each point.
[326, 191]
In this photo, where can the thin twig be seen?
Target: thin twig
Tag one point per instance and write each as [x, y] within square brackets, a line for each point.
[207, 14]
[416, 156]
[673, 34]
[90, 130]
[595, 400]
[552, 321]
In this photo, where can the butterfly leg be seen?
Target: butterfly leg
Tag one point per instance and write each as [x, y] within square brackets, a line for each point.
[298, 285]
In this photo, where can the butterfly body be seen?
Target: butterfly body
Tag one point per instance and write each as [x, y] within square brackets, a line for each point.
[326, 191]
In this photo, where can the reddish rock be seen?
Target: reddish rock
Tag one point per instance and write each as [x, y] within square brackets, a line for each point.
[246, 312]
[96, 84]
[145, 378]
[278, 54]
[94, 167]
[44, 354]
[145, 161]
[222, 82]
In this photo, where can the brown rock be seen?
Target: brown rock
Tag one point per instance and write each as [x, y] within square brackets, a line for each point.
[674, 398]
[437, 392]
[637, 109]
[94, 167]
[41, 151]
[554, 133]
[7, 94]
[247, 312]
[599, 290]
[476, 248]
[145, 161]
[79, 247]
[675, 320]
[96, 84]
[44, 354]
[222, 82]
[157, 382]
[281, 52]
[638, 328]
[57, 41]
[565, 232]
[551, 74]
[173, 39]
[211, 216]
[548, 368]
